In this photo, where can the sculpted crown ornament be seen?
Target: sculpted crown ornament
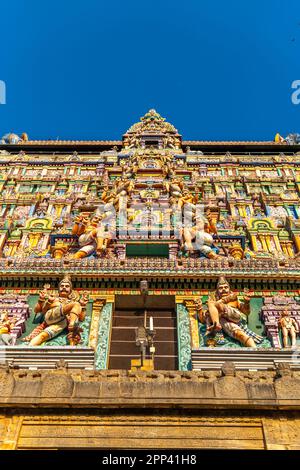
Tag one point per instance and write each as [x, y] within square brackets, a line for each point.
[152, 130]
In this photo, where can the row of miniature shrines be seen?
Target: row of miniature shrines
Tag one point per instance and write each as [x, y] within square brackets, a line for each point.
[29, 228]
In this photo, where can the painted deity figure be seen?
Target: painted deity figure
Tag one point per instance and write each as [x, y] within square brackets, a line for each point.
[289, 328]
[122, 190]
[168, 169]
[131, 167]
[198, 237]
[92, 236]
[226, 313]
[187, 199]
[110, 199]
[59, 312]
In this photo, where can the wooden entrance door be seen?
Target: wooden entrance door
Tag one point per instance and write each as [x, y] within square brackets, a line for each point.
[128, 315]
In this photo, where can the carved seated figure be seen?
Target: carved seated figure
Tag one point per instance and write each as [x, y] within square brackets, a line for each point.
[226, 313]
[59, 312]
[289, 328]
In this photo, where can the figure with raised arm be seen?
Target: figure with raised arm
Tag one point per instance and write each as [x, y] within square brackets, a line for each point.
[228, 313]
[92, 236]
[59, 312]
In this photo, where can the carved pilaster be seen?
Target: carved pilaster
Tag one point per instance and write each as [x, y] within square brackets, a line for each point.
[173, 251]
[104, 335]
[190, 305]
[184, 336]
[98, 305]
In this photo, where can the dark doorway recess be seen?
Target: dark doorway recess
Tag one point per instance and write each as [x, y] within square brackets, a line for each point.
[128, 315]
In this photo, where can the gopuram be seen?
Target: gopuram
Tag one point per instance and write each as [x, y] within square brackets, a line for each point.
[149, 292]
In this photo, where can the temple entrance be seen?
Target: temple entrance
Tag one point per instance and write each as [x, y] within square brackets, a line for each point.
[128, 316]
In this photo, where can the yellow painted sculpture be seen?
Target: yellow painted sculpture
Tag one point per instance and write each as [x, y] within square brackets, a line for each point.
[236, 251]
[187, 199]
[92, 236]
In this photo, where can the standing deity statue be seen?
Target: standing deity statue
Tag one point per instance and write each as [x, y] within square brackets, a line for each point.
[289, 328]
[226, 313]
[59, 312]
[168, 169]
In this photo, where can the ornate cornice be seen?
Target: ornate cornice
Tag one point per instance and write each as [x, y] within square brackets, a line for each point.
[226, 388]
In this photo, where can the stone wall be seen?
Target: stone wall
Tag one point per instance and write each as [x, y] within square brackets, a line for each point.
[123, 409]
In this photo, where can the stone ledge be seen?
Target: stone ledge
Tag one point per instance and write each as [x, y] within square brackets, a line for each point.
[47, 357]
[226, 388]
[200, 268]
[245, 358]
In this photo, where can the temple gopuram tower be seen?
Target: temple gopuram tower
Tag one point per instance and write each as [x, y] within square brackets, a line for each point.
[149, 292]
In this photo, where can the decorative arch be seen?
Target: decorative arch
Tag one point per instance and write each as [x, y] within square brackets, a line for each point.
[40, 224]
[261, 224]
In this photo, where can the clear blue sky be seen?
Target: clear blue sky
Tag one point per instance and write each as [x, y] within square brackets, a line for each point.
[216, 69]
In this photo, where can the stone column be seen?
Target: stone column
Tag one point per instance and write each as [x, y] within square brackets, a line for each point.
[173, 251]
[194, 327]
[183, 335]
[98, 304]
[102, 319]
